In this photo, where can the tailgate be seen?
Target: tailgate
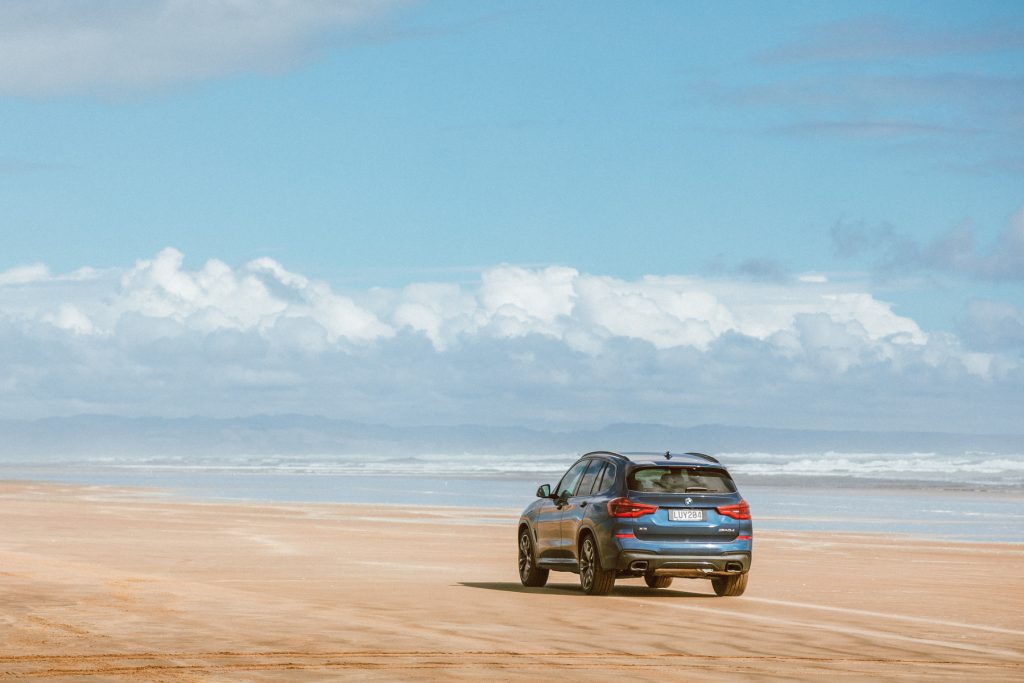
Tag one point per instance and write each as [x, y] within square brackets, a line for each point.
[686, 519]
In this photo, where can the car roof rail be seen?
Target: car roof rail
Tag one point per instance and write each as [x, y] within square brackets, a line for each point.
[611, 453]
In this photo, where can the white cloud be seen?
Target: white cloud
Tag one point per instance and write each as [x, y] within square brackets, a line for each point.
[580, 310]
[255, 297]
[68, 317]
[663, 311]
[441, 311]
[59, 46]
[531, 344]
[522, 294]
[21, 275]
[160, 292]
[584, 311]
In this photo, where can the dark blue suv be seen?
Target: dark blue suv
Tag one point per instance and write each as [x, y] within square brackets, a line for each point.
[623, 515]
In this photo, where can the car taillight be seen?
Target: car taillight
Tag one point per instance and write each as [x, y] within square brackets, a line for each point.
[739, 511]
[624, 507]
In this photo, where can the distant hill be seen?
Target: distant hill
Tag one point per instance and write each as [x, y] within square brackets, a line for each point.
[61, 438]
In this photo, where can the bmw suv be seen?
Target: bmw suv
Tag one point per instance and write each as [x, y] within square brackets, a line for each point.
[631, 515]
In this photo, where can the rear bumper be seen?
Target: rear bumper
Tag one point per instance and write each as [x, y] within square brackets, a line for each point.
[691, 566]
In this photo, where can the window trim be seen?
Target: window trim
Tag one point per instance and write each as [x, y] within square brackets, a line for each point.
[603, 484]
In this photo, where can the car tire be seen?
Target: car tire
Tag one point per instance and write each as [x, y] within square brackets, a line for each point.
[657, 581]
[594, 579]
[529, 573]
[729, 586]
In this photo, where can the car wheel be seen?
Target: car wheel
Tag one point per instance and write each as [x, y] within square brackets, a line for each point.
[657, 581]
[729, 586]
[594, 579]
[529, 573]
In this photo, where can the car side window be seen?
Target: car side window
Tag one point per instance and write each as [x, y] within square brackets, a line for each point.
[567, 486]
[604, 481]
[589, 477]
[596, 486]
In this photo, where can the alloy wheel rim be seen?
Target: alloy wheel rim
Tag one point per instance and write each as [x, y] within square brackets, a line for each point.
[587, 562]
[524, 555]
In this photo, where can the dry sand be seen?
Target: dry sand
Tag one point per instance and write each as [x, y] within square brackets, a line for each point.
[99, 584]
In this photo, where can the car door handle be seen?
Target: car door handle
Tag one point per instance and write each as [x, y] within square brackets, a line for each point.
[583, 504]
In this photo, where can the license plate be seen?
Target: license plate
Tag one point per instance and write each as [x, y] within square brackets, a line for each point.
[686, 515]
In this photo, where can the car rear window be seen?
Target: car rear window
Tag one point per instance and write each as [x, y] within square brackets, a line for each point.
[680, 480]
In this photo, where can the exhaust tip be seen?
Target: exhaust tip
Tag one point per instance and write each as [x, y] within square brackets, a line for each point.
[638, 565]
[733, 567]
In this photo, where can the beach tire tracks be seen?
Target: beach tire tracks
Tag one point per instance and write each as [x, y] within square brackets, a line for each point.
[19, 667]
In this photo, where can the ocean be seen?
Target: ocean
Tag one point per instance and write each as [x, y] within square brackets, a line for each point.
[974, 496]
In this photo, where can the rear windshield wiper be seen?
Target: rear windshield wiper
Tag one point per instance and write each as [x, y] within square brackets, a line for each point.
[694, 489]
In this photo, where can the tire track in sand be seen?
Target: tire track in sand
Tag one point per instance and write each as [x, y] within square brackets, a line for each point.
[874, 634]
[162, 663]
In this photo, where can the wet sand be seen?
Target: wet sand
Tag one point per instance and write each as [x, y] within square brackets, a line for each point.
[100, 584]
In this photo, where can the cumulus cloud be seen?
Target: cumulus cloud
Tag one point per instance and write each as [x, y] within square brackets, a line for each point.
[256, 297]
[954, 251]
[584, 312]
[523, 344]
[59, 46]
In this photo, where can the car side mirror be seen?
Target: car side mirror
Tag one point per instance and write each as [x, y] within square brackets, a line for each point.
[544, 491]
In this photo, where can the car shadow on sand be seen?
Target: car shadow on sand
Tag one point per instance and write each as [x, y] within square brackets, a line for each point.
[575, 589]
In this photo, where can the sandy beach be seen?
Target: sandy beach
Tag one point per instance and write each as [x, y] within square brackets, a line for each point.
[107, 584]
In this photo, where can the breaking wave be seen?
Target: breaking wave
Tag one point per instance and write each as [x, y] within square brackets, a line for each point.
[967, 468]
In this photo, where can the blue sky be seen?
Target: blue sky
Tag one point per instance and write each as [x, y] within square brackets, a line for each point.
[431, 154]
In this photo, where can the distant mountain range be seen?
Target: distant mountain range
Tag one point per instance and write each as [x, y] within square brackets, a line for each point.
[55, 439]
